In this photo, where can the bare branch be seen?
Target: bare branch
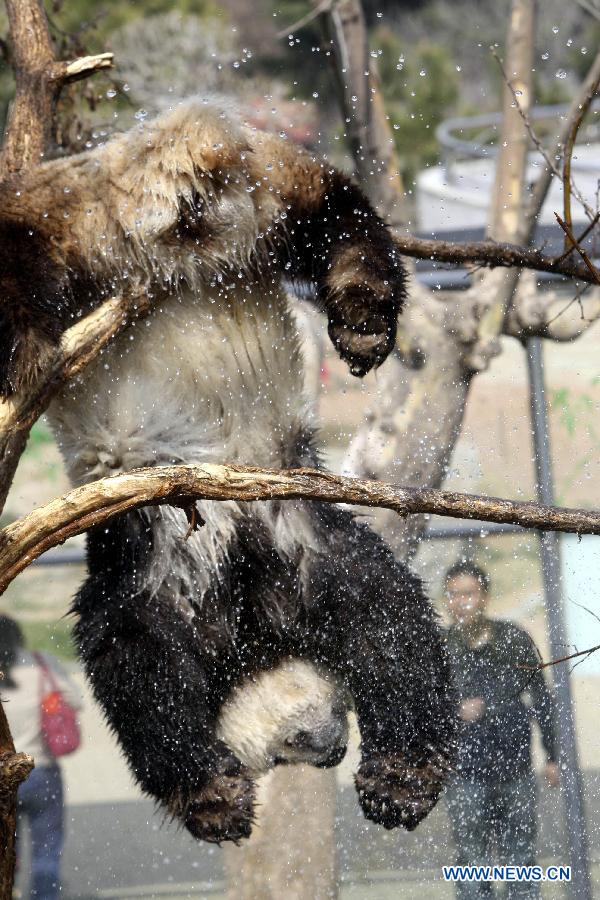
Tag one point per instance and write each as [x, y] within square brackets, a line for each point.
[511, 164]
[591, 6]
[79, 346]
[368, 129]
[305, 20]
[76, 69]
[526, 120]
[491, 253]
[569, 146]
[14, 769]
[39, 81]
[555, 662]
[540, 190]
[24, 540]
[595, 274]
[589, 227]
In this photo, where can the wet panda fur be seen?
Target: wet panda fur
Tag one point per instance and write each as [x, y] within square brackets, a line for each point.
[208, 216]
[293, 713]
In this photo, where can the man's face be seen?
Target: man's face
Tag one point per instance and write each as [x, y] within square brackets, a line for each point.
[466, 600]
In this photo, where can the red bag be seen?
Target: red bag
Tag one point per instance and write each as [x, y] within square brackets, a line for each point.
[58, 720]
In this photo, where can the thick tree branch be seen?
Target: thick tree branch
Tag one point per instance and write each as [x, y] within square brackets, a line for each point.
[14, 768]
[79, 346]
[368, 129]
[39, 80]
[24, 540]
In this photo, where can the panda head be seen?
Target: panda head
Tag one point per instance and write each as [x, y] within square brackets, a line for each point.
[294, 713]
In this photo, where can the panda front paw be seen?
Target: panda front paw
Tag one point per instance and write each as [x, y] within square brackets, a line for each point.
[394, 792]
[223, 810]
[362, 328]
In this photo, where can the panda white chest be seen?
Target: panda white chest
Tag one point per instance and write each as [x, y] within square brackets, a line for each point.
[210, 375]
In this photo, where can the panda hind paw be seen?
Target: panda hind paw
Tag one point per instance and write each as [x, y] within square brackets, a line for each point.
[223, 810]
[393, 792]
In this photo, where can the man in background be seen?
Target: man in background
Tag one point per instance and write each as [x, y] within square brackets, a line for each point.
[492, 798]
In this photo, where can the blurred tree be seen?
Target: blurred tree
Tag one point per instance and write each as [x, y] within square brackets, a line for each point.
[420, 89]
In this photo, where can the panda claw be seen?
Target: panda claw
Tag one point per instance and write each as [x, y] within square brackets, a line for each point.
[393, 791]
[223, 810]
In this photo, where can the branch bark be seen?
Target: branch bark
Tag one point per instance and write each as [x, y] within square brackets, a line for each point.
[40, 78]
[14, 769]
[368, 130]
[29, 134]
[92, 504]
[79, 346]
[493, 254]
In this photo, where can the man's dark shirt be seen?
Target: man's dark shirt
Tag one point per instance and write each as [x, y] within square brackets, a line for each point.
[497, 747]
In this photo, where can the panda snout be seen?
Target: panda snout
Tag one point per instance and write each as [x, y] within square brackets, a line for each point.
[321, 744]
[334, 758]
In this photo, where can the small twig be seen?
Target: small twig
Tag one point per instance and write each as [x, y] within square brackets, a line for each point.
[195, 520]
[575, 299]
[590, 265]
[526, 121]
[555, 662]
[76, 69]
[540, 189]
[569, 145]
[565, 175]
[305, 20]
[591, 6]
[589, 227]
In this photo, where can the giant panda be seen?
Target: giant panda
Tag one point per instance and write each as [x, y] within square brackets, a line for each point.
[210, 217]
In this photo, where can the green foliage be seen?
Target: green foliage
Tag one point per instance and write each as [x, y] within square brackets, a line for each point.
[49, 637]
[101, 17]
[39, 441]
[576, 414]
[420, 88]
[39, 437]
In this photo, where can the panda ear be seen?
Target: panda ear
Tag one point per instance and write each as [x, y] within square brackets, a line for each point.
[34, 307]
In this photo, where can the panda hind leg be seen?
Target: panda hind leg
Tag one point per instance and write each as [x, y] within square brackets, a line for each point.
[221, 810]
[155, 682]
[374, 626]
